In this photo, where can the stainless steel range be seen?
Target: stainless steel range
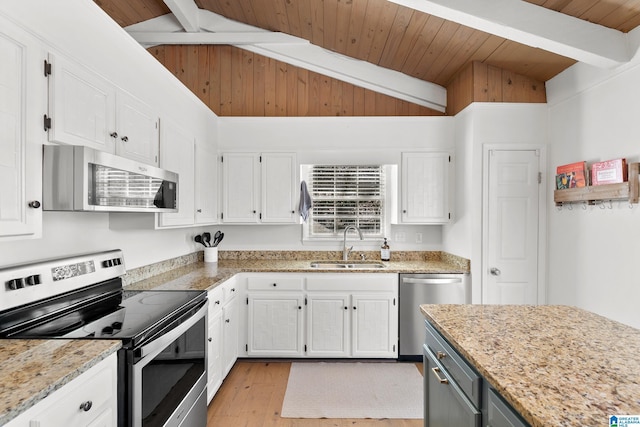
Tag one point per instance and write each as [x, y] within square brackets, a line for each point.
[162, 363]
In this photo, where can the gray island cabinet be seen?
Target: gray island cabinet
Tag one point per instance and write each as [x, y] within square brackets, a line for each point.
[455, 394]
[523, 365]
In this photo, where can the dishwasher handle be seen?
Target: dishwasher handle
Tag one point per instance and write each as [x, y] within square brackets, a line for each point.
[432, 281]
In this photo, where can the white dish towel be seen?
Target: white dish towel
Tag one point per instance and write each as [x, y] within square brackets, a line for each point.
[305, 201]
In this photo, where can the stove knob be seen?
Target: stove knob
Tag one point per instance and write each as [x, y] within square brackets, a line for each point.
[107, 263]
[116, 325]
[14, 284]
[107, 330]
[33, 280]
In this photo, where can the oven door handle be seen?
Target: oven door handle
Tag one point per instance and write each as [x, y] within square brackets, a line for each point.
[156, 346]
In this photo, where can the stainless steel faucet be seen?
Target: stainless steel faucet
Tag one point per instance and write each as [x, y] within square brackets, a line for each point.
[345, 250]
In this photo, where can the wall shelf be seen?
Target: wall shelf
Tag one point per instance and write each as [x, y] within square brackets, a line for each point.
[596, 193]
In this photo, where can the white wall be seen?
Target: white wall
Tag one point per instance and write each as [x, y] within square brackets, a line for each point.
[477, 125]
[336, 140]
[79, 29]
[595, 115]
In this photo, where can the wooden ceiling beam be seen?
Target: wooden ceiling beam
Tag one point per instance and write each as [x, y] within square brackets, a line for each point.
[534, 26]
[216, 29]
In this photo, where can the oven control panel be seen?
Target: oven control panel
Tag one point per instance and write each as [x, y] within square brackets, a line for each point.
[25, 283]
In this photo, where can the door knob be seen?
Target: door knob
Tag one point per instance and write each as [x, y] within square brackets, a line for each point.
[495, 271]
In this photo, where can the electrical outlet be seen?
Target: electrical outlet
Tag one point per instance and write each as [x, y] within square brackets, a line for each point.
[418, 237]
[400, 237]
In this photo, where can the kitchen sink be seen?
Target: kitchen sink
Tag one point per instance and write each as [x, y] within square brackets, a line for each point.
[347, 265]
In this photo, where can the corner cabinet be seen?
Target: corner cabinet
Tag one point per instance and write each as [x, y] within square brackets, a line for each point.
[88, 400]
[86, 109]
[22, 107]
[425, 188]
[259, 188]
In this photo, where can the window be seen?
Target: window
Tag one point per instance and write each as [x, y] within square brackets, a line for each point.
[345, 195]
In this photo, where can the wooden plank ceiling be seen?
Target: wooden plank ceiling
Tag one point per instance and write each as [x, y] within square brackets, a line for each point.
[377, 31]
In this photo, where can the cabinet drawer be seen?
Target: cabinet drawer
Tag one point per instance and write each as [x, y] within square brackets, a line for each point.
[278, 283]
[460, 371]
[216, 299]
[95, 392]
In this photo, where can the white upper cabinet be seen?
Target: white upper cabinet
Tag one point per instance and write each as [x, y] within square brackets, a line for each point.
[279, 185]
[22, 106]
[86, 109]
[240, 187]
[137, 129]
[259, 188]
[177, 155]
[425, 188]
[206, 180]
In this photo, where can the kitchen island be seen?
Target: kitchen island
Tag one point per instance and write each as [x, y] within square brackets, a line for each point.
[555, 365]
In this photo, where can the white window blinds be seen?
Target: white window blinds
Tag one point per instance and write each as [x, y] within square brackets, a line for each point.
[346, 195]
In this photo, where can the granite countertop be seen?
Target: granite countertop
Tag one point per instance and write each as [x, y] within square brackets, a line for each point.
[30, 370]
[556, 365]
[206, 276]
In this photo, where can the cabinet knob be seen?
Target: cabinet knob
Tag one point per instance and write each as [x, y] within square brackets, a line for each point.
[217, 302]
[346, 308]
[85, 406]
[210, 339]
[299, 307]
[199, 210]
[404, 211]
[254, 211]
[275, 284]
[34, 204]
[227, 321]
[441, 355]
[113, 134]
[354, 307]
[124, 138]
[293, 212]
[495, 271]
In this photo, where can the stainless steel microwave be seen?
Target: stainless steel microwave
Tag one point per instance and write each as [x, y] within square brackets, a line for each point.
[77, 178]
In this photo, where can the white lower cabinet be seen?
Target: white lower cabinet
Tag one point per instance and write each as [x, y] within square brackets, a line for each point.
[222, 339]
[275, 324]
[90, 400]
[322, 315]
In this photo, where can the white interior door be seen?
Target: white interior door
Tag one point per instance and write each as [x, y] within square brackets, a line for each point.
[511, 226]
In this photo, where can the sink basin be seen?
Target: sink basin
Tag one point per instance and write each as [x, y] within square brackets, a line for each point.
[347, 265]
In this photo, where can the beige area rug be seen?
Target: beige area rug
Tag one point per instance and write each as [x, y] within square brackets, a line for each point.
[353, 390]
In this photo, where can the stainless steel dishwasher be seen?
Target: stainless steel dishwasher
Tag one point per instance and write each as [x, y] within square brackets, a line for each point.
[417, 289]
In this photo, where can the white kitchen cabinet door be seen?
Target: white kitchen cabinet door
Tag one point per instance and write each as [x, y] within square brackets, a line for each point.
[22, 106]
[215, 347]
[279, 193]
[425, 188]
[328, 320]
[82, 106]
[275, 324]
[206, 183]
[374, 325]
[229, 335]
[177, 155]
[98, 386]
[241, 184]
[137, 128]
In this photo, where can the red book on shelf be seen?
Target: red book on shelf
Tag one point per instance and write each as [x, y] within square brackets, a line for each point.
[609, 172]
[572, 175]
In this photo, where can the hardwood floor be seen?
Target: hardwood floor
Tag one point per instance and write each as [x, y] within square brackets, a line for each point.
[252, 395]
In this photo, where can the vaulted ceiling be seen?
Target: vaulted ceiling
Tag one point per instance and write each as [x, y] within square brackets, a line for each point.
[409, 49]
